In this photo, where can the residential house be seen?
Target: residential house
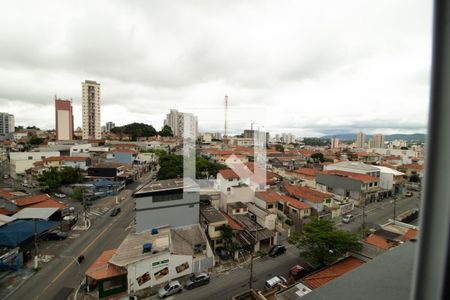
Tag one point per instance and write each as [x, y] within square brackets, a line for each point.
[306, 176]
[80, 150]
[354, 167]
[211, 220]
[412, 169]
[79, 162]
[360, 188]
[288, 163]
[315, 199]
[123, 155]
[22, 161]
[108, 170]
[391, 180]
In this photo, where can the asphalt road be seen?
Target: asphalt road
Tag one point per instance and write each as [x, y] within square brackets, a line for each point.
[227, 285]
[380, 213]
[63, 271]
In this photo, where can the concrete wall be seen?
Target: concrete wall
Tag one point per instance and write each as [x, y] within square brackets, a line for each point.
[176, 213]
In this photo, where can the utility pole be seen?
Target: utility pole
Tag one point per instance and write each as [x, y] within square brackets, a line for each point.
[35, 245]
[250, 282]
[395, 207]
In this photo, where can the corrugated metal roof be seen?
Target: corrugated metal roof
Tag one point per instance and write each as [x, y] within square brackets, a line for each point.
[35, 213]
[14, 233]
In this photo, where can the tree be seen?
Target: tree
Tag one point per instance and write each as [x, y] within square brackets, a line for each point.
[171, 166]
[404, 148]
[34, 140]
[316, 142]
[135, 130]
[166, 131]
[54, 178]
[414, 178]
[227, 234]
[279, 148]
[322, 243]
[318, 157]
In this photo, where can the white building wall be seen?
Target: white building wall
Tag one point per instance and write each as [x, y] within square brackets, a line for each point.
[63, 125]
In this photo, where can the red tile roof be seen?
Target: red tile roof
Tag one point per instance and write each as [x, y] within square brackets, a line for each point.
[66, 158]
[228, 174]
[4, 211]
[101, 269]
[25, 201]
[410, 234]
[356, 176]
[379, 242]
[412, 166]
[295, 203]
[233, 224]
[268, 196]
[122, 150]
[306, 193]
[332, 272]
[50, 203]
[5, 194]
[306, 171]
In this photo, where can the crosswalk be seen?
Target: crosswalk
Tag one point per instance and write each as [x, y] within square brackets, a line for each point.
[97, 212]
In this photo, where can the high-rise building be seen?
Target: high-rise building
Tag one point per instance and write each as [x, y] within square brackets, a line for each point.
[176, 121]
[334, 142]
[91, 110]
[63, 119]
[360, 140]
[109, 126]
[6, 123]
[377, 141]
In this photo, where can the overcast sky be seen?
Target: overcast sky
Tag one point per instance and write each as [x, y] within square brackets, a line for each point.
[306, 67]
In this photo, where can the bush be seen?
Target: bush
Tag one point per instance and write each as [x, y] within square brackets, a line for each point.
[289, 222]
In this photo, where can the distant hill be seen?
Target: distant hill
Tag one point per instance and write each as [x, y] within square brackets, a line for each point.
[415, 137]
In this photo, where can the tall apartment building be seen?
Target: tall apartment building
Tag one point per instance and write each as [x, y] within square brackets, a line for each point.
[109, 126]
[63, 120]
[91, 110]
[6, 123]
[360, 138]
[377, 141]
[334, 142]
[175, 120]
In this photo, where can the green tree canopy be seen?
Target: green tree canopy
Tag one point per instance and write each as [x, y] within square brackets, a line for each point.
[171, 166]
[135, 130]
[279, 148]
[318, 157]
[166, 131]
[54, 177]
[322, 243]
[34, 140]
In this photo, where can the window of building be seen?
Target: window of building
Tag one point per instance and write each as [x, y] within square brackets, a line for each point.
[168, 197]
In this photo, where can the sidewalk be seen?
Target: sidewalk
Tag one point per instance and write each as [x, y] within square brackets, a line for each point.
[13, 280]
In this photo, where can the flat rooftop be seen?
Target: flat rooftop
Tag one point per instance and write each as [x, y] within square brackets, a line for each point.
[211, 214]
[131, 249]
[166, 185]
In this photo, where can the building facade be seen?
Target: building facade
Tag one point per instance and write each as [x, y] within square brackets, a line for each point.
[6, 123]
[360, 140]
[176, 121]
[91, 110]
[109, 126]
[173, 202]
[63, 119]
[377, 141]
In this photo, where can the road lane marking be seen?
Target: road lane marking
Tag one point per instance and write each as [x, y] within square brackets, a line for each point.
[72, 262]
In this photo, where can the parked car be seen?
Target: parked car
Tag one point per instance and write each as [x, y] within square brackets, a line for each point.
[297, 272]
[197, 280]
[6, 176]
[60, 195]
[348, 218]
[55, 235]
[223, 253]
[128, 298]
[277, 250]
[115, 211]
[274, 281]
[409, 194]
[169, 289]
[27, 185]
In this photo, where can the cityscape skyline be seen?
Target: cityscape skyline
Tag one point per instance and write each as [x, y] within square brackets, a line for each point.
[369, 66]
